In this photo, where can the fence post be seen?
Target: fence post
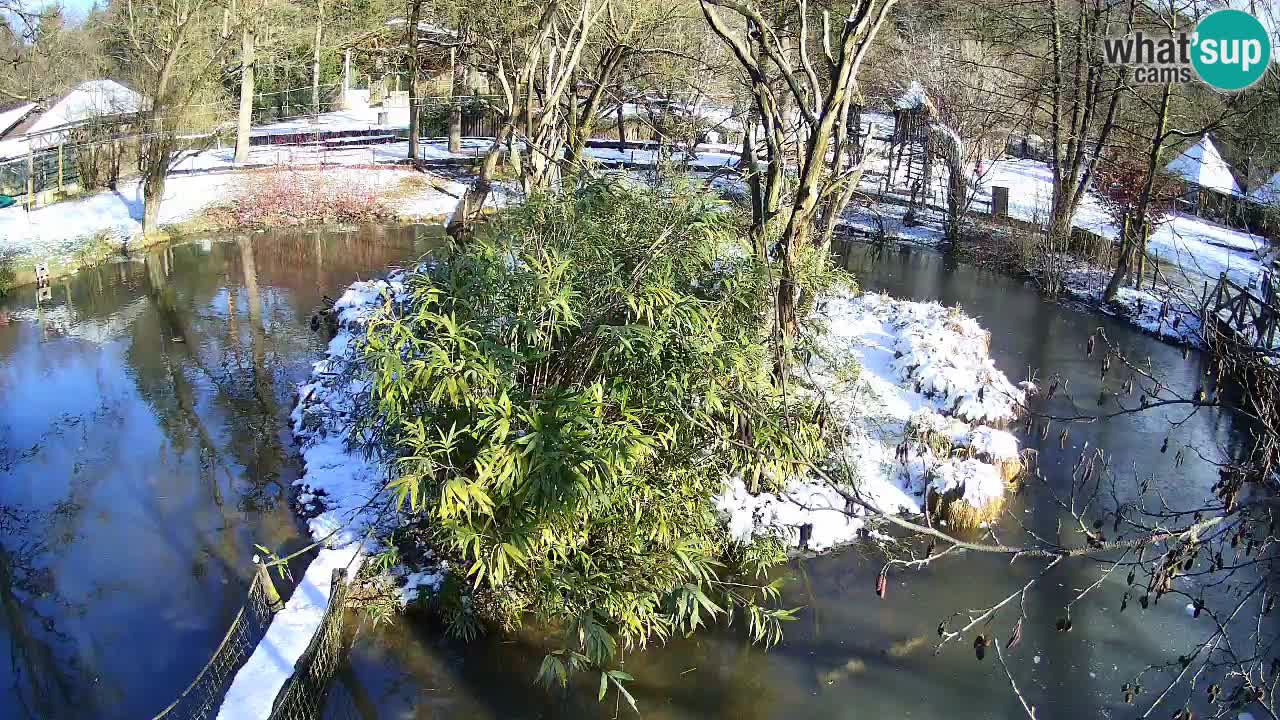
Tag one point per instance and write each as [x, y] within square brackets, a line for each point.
[60, 182]
[31, 178]
[268, 586]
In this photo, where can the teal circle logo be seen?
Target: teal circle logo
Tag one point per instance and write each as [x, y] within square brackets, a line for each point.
[1230, 49]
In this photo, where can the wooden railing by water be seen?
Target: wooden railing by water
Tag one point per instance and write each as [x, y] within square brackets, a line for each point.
[1250, 318]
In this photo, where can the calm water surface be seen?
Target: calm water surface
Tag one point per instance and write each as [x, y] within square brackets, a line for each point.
[144, 449]
[852, 655]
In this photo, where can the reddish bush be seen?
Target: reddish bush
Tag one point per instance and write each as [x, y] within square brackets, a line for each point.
[283, 197]
[1119, 185]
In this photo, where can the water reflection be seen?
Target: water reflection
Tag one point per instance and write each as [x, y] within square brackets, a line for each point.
[851, 655]
[144, 449]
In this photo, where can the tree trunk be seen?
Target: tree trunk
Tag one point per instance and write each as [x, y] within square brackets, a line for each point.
[622, 124]
[457, 83]
[1136, 239]
[957, 180]
[468, 208]
[411, 33]
[152, 194]
[752, 166]
[245, 120]
[315, 58]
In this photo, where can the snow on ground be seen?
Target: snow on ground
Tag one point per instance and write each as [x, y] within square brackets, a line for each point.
[339, 478]
[344, 490]
[1202, 249]
[920, 368]
[54, 232]
[885, 221]
[645, 156]
[1172, 314]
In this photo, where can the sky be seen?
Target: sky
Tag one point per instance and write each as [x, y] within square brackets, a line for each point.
[75, 8]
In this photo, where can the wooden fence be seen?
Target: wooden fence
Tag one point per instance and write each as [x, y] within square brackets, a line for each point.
[1251, 318]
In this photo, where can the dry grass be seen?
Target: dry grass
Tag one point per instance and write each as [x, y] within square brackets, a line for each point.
[959, 514]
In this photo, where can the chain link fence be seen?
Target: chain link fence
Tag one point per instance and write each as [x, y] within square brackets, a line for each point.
[304, 694]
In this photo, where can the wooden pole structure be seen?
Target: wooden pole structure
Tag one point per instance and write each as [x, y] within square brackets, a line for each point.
[346, 72]
[268, 587]
[61, 185]
[315, 59]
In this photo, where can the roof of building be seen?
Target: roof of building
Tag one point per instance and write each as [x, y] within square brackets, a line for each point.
[1268, 193]
[36, 129]
[1202, 165]
[11, 116]
[95, 98]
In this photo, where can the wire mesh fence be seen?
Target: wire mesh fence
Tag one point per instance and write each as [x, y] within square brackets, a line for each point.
[304, 694]
[51, 169]
[204, 695]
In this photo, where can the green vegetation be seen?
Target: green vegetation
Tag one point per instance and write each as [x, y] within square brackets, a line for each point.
[7, 274]
[564, 398]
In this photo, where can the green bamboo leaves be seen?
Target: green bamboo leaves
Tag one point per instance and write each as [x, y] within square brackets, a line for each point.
[565, 396]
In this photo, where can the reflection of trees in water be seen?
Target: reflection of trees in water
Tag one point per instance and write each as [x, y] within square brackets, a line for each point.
[46, 678]
[206, 329]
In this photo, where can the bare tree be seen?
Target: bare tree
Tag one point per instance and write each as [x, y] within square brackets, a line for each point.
[533, 65]
[172, 48]
[822, 104]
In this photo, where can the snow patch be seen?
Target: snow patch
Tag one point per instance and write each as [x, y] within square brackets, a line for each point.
[919, 367]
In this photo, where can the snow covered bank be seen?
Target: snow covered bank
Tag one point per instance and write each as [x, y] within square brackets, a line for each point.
[1199, 247]
[342, 491]
[341, 494]
[920, 401]
[1172, 315]
[55, 232]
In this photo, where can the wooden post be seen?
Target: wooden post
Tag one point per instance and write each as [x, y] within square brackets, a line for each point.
[999, 201]
[61, 186]
[268, 587]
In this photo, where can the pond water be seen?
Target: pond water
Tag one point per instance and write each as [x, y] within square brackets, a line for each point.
[851, 655]
[144, 449]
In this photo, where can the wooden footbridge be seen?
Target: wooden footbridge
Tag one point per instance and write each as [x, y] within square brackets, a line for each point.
[1248, 317]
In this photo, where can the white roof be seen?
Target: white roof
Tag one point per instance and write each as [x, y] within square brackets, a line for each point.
[1201, 164]
[423, 26]
[1268, 193]
[12, 117]
[88, 99]
[914, 97]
